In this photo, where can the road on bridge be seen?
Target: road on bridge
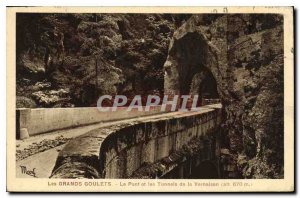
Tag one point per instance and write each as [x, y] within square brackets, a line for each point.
[39, 153]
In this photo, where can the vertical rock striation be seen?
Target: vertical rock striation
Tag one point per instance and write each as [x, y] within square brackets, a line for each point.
[244, 55]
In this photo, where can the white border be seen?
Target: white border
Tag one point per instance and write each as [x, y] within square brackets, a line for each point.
[4, 3]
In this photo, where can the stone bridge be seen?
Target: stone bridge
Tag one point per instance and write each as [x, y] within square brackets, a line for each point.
[175, 144]
[125, 144]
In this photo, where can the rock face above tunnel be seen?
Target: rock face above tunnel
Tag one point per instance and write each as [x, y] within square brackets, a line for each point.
[244, 55]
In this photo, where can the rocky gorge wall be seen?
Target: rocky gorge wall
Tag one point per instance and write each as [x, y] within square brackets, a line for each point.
[31, 122]
[244, 55]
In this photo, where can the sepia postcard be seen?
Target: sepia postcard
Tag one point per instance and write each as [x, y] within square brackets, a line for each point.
[150, 99]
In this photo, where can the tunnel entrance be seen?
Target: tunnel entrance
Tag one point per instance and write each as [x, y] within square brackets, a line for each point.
[188, 72]
[205, 86]
[208, 87]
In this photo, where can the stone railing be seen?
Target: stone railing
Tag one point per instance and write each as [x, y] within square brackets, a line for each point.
[119, 152]
[42, 120]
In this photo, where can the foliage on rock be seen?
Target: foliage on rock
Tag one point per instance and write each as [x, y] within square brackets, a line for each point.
[92, 54]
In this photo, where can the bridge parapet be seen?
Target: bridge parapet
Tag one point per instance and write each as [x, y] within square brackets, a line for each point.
[120, 151]
[43, 120]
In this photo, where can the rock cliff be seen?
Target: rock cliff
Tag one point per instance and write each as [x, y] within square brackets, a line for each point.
[69, 59]
[243, 56]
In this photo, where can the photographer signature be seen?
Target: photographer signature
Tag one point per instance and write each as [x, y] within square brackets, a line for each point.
[28, 172]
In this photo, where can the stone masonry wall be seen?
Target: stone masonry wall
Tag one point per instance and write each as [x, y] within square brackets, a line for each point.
[118, 152]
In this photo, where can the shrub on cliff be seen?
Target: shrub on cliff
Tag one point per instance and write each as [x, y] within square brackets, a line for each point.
[130, 49]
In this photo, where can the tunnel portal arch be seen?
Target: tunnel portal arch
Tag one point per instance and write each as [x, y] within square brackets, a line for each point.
[190, 67]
